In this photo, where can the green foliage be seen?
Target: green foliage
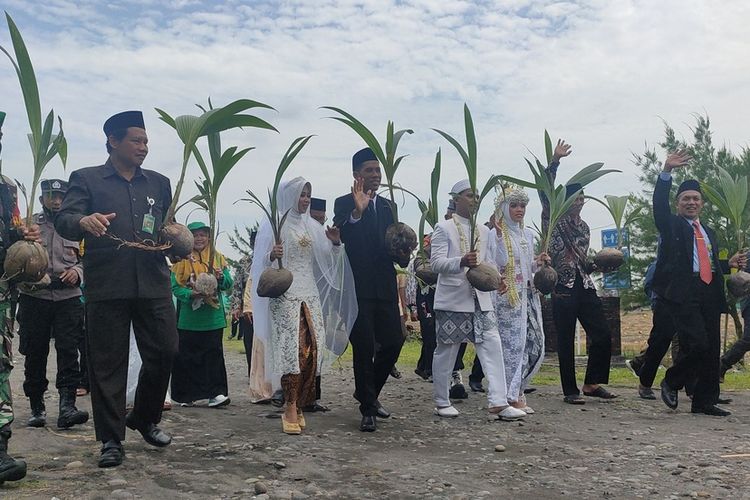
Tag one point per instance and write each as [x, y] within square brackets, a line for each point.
[729, 196]
[190, 128]
[385, 155]
[706, 160]
[469, 157]
[616, 206]
[44, 144]
[244, 243]
[272, 210]
[559, 203]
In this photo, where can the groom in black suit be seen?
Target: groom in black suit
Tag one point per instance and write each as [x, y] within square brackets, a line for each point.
[689, 277]
[363, 218]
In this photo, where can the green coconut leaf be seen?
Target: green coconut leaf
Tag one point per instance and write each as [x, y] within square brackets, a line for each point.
[44, 144]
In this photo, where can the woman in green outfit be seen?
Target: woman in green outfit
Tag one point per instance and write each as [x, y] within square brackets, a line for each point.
[199, 371]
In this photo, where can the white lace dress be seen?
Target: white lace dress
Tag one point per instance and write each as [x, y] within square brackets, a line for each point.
[285, 310]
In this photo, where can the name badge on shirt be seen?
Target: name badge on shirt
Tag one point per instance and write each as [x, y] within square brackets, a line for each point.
[148, 219]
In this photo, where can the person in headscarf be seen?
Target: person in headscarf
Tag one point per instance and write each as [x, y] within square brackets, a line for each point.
[519, 312]
[199, 371]
[574, 298]
[463, 313]
[309, 325]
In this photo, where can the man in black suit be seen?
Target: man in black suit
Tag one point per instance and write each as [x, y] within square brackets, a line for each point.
[688, 277]
[363, 218]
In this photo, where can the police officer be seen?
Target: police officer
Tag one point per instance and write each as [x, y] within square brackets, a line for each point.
[10, 469]
[53, 309]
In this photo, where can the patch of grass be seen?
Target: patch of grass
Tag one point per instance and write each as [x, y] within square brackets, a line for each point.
[548, 375]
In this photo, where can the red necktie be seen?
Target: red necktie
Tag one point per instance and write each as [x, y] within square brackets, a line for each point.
[704, 264]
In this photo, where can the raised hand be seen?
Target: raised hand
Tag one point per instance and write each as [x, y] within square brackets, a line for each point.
[562, 149]
[361, 198]
[677, 159]
[471, 259]
[334, 234]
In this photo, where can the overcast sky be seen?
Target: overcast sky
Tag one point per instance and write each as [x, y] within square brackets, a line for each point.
[601, 74]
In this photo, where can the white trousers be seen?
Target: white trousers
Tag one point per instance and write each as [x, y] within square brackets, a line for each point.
[490, 353]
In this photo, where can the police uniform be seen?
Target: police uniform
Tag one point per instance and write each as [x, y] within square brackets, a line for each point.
[52, 309]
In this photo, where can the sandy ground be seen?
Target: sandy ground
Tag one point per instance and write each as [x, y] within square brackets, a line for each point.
[628, 448]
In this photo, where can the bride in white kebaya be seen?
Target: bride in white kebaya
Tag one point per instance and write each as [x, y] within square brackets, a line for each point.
[306, 328]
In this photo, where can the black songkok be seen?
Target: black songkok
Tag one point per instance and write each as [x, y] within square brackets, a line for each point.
[362, 156]
[123, 121]
[318, 204]
[689, 185]
[571, 189]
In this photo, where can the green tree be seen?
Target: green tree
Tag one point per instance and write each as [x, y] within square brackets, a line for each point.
[706, 158]
[243, 243]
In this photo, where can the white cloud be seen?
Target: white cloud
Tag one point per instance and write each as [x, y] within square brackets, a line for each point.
[600, 74]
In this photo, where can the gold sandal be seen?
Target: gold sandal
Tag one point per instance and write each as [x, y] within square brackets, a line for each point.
[300, 419]
[290, 427]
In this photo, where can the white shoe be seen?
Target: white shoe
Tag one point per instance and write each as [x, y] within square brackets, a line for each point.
[220, 400]
[528, 410]
[511, 413]
[447, 412]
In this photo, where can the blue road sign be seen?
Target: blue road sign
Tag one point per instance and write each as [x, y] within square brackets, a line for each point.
[619, 279]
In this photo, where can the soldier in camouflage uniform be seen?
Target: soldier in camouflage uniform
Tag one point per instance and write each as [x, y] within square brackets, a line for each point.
[10, 469]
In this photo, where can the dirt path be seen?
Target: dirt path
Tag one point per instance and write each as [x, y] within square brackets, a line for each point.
[624, 449]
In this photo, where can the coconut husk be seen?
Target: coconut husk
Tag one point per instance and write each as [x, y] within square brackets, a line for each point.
[484, 278]
[179, 238]
[400, 241]
[739, 284]
[424, 271]
[545, 279]
[609, 259]
[206, 285]
[273, 283]
[25, 261]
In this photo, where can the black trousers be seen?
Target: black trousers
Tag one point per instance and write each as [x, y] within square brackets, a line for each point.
[580, 304]
[663, 331]
[107, 340]
[82, 358]
[378, 322]
[698, 324]
[739, 348]
[38, 318]
[247, 341]
[429, 342]
[199, 370]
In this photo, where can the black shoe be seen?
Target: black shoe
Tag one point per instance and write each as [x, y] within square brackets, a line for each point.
[529, 390]
[112, 454]
[422, 373]
[38, 412]
[646, 393]
[10, 468]
[668, 395]
[315, 407]
[69, 414]
[475, 386]
[382, 412]
[151, 433]
[368, 424]
[723, 401]
[712, 410]
[395, 373]
[458, 391]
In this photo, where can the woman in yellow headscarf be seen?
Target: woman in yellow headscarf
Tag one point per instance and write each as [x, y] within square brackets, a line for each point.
[199, 371]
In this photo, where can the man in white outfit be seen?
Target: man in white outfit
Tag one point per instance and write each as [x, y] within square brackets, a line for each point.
[462, 313]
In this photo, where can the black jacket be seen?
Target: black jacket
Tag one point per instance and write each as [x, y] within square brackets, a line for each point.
[674, 263]
[374, 274]
[112, 272]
